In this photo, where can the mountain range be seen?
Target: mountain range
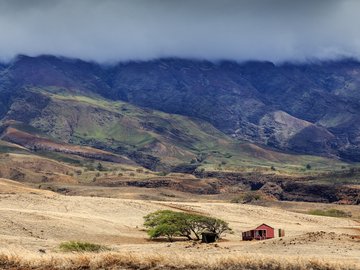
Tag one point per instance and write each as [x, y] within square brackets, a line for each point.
[169, 112]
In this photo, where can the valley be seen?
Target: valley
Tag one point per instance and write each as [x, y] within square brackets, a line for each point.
[86, 151]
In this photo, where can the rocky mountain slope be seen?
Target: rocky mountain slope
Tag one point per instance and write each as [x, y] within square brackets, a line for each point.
[177, 110]
[311, 108]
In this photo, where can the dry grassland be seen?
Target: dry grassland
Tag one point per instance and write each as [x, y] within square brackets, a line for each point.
[33, 223]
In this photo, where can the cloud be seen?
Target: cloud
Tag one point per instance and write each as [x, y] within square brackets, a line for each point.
[113, 30]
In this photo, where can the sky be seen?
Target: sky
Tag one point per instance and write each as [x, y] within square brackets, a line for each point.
[122, 30]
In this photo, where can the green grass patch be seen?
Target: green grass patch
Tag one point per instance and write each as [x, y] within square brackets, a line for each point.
[329, 213]
[75, 246]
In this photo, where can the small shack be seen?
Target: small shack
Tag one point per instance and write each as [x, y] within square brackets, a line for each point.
[209, 237]
[261, 232]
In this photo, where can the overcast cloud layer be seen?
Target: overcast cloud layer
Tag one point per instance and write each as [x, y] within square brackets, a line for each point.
[112, 30]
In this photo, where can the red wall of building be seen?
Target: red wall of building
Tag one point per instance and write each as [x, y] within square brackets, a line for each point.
[270, 233]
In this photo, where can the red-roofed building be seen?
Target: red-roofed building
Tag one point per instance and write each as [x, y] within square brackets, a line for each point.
[261, 232]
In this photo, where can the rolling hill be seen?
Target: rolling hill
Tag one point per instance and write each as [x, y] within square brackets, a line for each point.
[213, 125]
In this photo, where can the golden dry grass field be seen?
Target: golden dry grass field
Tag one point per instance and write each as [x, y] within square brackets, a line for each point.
[34, 222]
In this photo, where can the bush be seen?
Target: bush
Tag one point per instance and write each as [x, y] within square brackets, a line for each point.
[247, 197]
[74, 246]
[329, 213]
[100, 167]
[171, 224]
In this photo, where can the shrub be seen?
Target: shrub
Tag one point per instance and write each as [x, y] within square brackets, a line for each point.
[247, 197]
[100, 167]
[171, 224]
[75, 246]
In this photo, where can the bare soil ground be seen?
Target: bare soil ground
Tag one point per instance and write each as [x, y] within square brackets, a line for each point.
[33, 220]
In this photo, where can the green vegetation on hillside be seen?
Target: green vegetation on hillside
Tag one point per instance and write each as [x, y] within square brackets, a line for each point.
[173, 138]
[155, 139]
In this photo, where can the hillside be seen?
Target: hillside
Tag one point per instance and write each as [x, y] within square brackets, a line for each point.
[307, 108]
[304, 108]
[58, 119]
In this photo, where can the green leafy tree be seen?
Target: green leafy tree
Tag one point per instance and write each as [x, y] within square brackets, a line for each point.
[168, 230]
[167, 223]
[170, 224]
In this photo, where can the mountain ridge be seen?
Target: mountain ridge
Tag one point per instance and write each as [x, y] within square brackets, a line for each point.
[302, 108]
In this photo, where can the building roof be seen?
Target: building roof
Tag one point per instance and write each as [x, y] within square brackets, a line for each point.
[260, 226]
[265, 225]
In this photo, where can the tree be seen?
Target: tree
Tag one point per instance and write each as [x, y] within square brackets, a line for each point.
[167, 223]
[168, 230]
[308, 166]
[214, 225]
[170, 224]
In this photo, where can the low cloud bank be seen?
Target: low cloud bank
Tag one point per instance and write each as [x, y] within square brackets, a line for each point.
[118, 30]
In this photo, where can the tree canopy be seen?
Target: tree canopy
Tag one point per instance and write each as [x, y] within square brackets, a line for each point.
[171, 224]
